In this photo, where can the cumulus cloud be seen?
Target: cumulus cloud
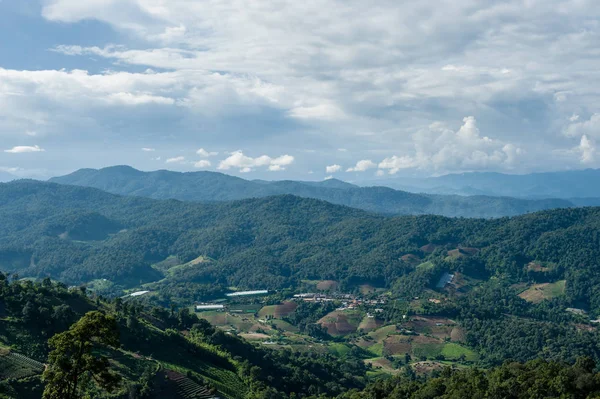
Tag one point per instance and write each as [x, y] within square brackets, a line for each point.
[362, 166]
[20, 149]
[326, 75]
[204, 153]
[587, 149]
[333, 168]
[439, 148]
[579, 127]
[175, 160]
[202, 164]
[245, 164]
[146, 149]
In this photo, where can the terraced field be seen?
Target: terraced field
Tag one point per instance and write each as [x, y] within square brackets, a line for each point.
[14, 365]
[188, 389]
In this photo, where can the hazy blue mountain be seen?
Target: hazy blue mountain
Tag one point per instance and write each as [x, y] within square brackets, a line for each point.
[5, 177]
[211, 186]
[567, 184]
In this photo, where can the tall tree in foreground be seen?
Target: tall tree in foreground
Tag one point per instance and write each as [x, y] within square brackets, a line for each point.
[72, 359]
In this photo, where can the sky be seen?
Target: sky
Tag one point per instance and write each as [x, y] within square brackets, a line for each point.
[278, 89]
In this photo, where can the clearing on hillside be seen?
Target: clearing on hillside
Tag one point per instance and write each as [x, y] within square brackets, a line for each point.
[411, 259]
[538, 292]
[327, 285]
[341, 322]
[278, 311]
[382, 363]
[369, 324]
[429, 248]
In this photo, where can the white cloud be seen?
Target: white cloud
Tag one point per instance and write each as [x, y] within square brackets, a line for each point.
[327, 75]
[245, 164]
[362, 166]
[20, 149]
[175, 160]
[145, 149]
[202, 164]
[395, 163]
[379, 173]
[203, 153]
[326, 112]
[333, 168]
[11, 170]
[439, 148]
[587, 149]
[578, 127]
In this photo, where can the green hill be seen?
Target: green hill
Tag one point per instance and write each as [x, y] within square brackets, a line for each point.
[276, 242]
[212, 186]
[161, 353]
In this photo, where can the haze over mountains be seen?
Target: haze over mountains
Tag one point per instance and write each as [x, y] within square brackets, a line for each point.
[564, 184]
[5, 177]
[212, 186]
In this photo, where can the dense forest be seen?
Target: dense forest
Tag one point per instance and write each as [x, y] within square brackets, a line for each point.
[80, 234]
[212, 186]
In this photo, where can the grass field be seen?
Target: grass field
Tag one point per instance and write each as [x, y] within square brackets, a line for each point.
[425, 266]
[278, 311]
[383, 364]
[539, 292]
[285, 326]
[452, 351]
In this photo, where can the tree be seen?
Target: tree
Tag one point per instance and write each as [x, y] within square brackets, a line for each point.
[72, 358]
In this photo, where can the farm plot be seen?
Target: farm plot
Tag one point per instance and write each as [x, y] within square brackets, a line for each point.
[539, 292]
[341, 322]
[278, 311]
[14, 365]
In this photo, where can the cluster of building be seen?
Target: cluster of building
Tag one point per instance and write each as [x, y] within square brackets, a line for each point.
[349, 301]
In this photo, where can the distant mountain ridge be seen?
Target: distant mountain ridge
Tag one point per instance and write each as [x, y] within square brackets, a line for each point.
[6, 177]
[566, 184]
[213, 186]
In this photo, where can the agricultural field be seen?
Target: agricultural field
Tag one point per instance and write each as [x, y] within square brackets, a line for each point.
[539, 292]
[421, 337]
[278, 311]
[341, 322]
[14, 365]
[369, 324]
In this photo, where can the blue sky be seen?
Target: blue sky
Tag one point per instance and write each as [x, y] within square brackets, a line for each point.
[299, 90]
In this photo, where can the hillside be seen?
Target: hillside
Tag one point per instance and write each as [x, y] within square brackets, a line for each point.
[519, 288]
[78, 234]
[565, 184]
[211, 186]
[161, 354]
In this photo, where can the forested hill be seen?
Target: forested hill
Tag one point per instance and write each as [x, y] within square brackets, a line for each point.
[78, 234]
[212, 186]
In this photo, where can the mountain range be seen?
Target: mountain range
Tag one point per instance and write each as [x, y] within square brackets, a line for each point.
[211, 186]
[564, 184]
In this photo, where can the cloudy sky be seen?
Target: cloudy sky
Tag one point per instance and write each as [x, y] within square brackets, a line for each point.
[307, 89]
